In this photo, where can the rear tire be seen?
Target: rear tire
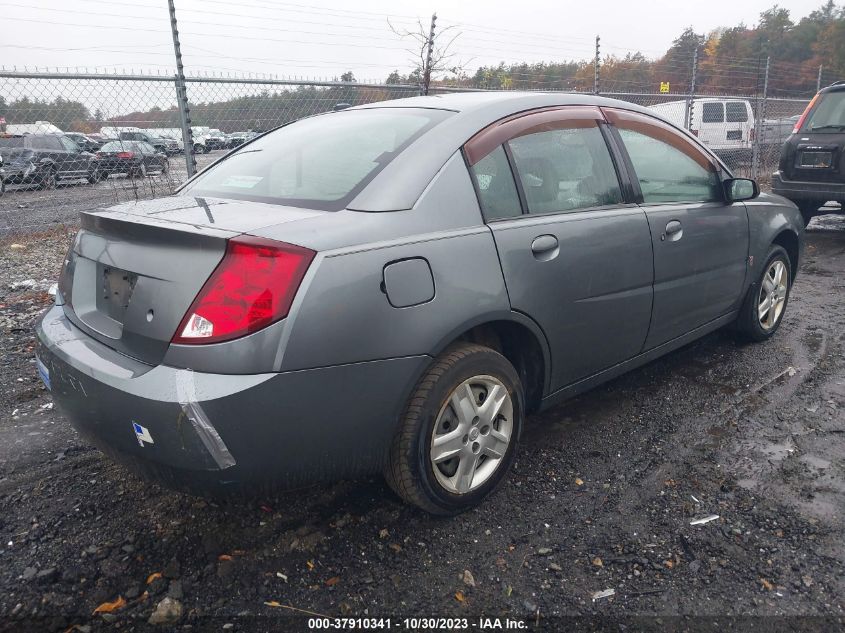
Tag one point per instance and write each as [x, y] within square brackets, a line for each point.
[808, 209]
[759, 320]
[449, 402]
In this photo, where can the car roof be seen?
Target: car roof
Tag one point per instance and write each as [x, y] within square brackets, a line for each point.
[836, 86]
[402, 181]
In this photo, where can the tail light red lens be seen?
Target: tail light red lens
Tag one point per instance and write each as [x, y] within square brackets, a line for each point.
[252, 287]
[99, 154]
[804, 114]
[125, 155]
[751, 135]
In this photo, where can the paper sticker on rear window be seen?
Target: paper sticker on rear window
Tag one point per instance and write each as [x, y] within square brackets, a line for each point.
[242, 182]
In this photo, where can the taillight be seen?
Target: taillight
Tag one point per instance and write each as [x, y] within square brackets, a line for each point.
[99, 154]
[694, 132]
[751, 135]
[125, 155]
[804, 114]
[252, 287]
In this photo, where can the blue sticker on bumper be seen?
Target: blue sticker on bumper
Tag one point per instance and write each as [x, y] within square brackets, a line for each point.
[44, 373]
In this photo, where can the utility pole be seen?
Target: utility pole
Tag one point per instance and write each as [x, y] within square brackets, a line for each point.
[819, 80]
[429, 55]
[596, 63]
[758, 123]
[691, 99]
[182, 96]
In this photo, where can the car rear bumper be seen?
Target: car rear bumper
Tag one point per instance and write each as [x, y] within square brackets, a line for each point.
[201, 431]
[807, 190]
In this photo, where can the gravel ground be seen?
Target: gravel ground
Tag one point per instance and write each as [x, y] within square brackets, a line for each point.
[602, 499]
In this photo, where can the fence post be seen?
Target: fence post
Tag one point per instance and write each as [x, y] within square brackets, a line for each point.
[689, 113]
[596, 65]
[429, 55]
[758, 124]
[182, 96]
[819, 80]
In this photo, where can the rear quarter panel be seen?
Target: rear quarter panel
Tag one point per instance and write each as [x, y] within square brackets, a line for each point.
[343, 314]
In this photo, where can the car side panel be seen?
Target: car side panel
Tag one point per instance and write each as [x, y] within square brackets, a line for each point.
[769, 216]
[345, 316]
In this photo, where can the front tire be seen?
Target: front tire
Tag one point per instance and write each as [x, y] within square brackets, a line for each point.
[765, 304]
[48, 180]
[458, 436]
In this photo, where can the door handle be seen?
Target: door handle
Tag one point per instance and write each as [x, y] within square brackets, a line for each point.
[674, 231]
[545, 247]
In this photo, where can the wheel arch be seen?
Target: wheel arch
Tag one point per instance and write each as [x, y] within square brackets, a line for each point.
[790, 242]
[519, 339]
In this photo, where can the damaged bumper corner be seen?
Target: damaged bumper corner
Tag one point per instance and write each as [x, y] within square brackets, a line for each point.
[196, 430]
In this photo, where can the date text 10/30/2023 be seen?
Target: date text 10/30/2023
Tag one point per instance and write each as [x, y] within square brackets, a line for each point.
[418, 623]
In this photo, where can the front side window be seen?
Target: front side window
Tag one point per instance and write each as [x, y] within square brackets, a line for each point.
[69, 145]
[321, 162]
[565, 169]
[736, 111]
[712, 112]
[496, 188]
[666, 172]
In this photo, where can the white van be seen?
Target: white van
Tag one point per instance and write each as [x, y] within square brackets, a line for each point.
[726, 126]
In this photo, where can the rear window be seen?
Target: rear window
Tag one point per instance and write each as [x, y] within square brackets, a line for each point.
[712, 112]
[15, 141]
[736, 112]
[321, 162]
[828, 115]
[119, 146]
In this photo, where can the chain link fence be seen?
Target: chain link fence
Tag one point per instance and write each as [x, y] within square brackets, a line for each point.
[48, 181]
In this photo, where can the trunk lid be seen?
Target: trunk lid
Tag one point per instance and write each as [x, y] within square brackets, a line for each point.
[135, 269]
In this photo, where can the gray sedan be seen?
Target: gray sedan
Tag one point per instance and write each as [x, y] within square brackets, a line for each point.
[394, 287]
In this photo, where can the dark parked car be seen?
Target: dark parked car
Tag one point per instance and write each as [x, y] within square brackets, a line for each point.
[167, 146]
[85, 142]
[812, 163]
[396, 286]
[133, 158]
[216, 140]
[45, 160]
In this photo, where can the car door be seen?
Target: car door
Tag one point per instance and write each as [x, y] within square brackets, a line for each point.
[576, 256]
[711, 128]
[700, 241]
[75, 161]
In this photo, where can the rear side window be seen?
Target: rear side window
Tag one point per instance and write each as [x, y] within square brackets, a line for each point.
[496, 188]
[736, 111]
[565, 170]
[712, 112]
[321, 162]
[829, 114]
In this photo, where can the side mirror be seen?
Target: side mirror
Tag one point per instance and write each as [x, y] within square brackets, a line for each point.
[739, 189]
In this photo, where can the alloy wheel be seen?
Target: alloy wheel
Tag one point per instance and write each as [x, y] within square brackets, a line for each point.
[773, 292]
[471, 435]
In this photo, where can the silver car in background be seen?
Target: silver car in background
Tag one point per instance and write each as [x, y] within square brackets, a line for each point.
[394, 287]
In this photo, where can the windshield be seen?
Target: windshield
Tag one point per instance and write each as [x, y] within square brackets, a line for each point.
[321, 162]
[829, 114]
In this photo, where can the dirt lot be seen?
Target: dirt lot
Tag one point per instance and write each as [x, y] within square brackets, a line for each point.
[602, 498]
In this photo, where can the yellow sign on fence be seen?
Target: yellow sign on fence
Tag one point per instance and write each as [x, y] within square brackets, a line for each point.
[664, 87]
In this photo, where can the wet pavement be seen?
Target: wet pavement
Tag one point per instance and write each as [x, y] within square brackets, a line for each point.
[603, 496]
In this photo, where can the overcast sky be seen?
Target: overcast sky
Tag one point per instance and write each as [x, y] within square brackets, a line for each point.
[324, 39]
